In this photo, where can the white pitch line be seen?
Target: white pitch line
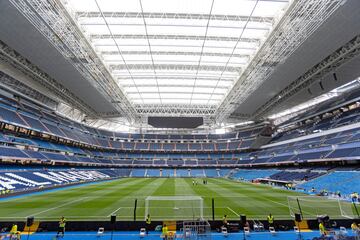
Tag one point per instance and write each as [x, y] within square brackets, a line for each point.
[233, 212]
[114, 212]
[288, 206]
[62, 205]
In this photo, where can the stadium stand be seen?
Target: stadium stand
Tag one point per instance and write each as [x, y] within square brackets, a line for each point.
[212, 173]
[343, 181]
[294, 175]
[332, 145]
[253, 174]
[17, 180]
[312, 146]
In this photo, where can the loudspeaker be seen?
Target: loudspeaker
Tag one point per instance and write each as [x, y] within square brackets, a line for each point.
[113, 219]
[29, 221]
[243, 218]
[297, 217]
[324, 218]
[335, 77]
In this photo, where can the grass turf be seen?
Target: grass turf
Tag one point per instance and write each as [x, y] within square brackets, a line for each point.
[99, 201]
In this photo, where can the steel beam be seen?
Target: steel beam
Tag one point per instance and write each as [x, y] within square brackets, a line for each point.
[53, 21]
[212, 54]
[174, 67]
[186, 16]
[329, 64]
[174, 37]
[175, 109]
[172, 86]
[301, 19]
[179, 77]
[13, 58]
[172, 92]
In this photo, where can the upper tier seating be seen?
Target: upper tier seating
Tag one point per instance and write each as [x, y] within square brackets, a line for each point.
[336, 120]
[309, 149]
[44, 121]
[187, 150]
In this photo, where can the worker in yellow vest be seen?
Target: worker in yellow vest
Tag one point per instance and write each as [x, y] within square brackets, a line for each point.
[148, 223]
[322, 229]
[270, 220]
[14, 233]
[165, 231]
[61, 229]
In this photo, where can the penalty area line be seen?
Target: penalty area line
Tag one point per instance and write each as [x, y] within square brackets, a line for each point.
[233, 211]
[112, 213]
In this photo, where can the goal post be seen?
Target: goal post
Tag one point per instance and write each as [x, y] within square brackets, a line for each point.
[174, 207]
[313, 206]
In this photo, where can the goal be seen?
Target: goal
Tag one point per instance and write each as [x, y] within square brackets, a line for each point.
[313, 206]
[174, 207]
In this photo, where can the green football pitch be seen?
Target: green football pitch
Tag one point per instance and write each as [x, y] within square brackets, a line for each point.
[100, 200]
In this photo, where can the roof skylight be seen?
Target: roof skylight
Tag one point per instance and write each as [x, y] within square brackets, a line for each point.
[176, 51]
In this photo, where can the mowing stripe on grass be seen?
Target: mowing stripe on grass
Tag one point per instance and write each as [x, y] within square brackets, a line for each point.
[264, 196]
[60, 206]
[99, 201]
[253, 203]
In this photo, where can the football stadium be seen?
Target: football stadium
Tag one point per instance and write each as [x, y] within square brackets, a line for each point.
[179, 119]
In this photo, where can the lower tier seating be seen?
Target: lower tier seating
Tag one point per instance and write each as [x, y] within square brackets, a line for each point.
[346, 182]
[253, 174]
[32, 179]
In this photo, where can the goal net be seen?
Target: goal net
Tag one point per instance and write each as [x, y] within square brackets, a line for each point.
[313, 206]
[174, 207]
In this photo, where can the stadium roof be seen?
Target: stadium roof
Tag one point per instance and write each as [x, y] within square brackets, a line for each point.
[224, 60]
[163, 53]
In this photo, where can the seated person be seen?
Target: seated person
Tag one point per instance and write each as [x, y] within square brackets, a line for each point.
[14, 233]
[225, 222]
[247, 224]
[322, 229]
[355, 227]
